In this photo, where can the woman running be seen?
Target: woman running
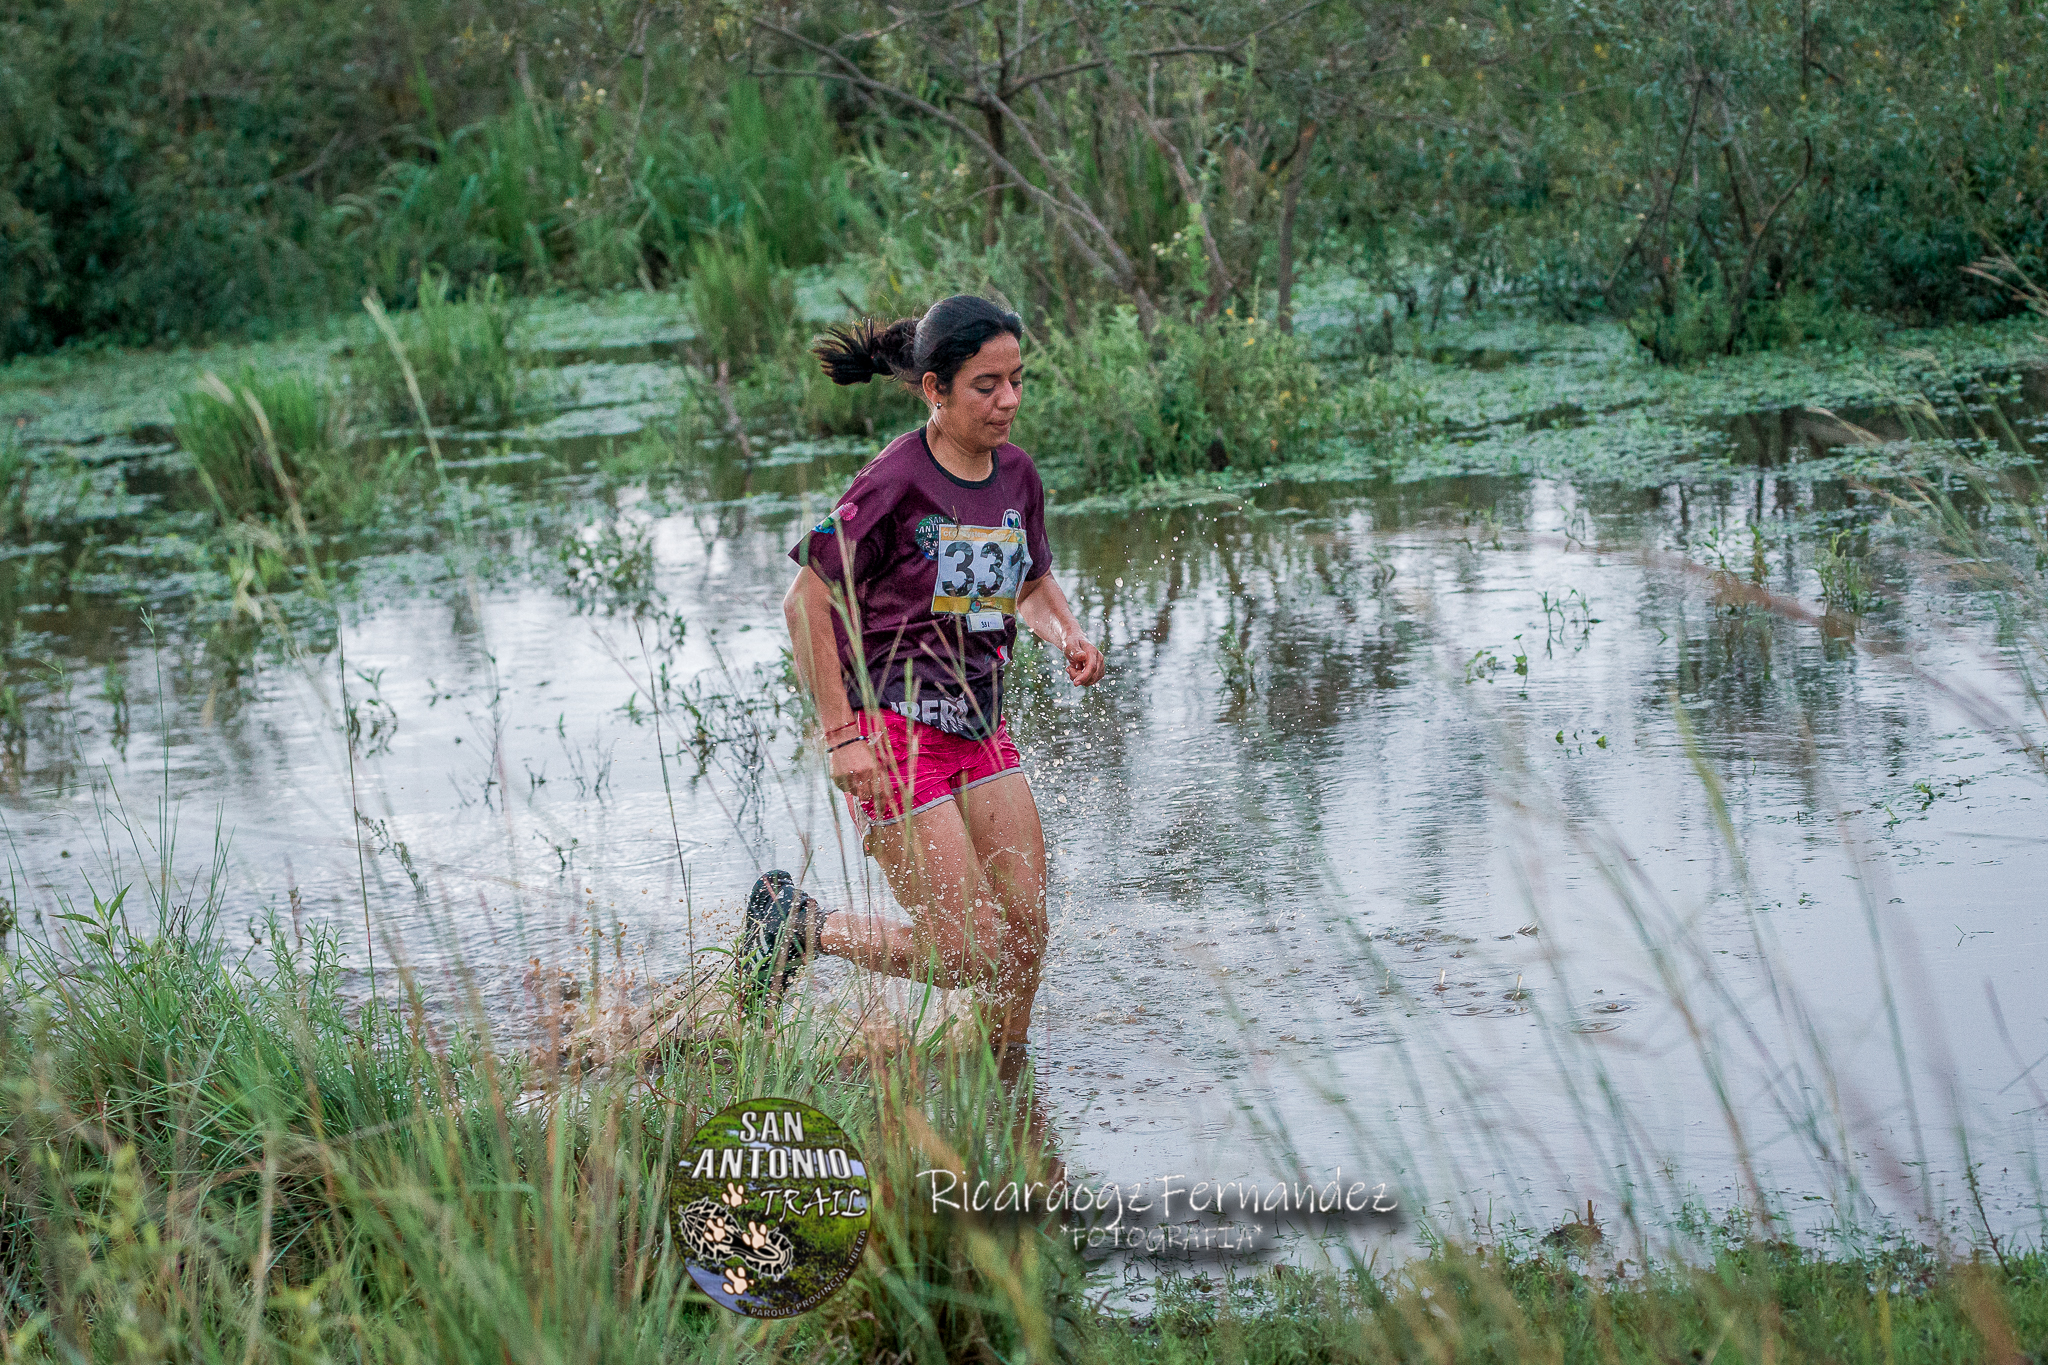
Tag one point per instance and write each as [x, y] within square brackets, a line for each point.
[902, 616]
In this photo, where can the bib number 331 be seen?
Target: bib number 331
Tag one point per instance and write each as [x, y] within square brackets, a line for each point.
[980, 571]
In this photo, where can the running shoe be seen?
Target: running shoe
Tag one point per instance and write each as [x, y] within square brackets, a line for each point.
[780, 936]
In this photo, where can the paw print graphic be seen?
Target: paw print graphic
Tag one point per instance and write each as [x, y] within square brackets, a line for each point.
[767, 1250]
[718, 1230]
[736, 1281]
[735, 1196]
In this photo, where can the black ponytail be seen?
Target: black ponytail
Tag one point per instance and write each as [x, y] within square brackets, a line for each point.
[856, 354]
[951, 332]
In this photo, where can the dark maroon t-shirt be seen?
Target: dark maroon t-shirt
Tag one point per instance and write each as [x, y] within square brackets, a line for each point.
[933, 564]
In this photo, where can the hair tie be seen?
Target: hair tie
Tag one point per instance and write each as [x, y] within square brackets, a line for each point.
[857, 739]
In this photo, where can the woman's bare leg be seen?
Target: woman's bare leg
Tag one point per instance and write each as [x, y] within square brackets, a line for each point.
[971, 873]
[954, 934]
[1009, 843]
[1002, 821]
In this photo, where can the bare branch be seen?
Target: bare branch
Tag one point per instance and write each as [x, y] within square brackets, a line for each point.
[1125, 277]
[1222, 283]
[912, 17]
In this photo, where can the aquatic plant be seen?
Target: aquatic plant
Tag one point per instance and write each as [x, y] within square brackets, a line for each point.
[609, 569]
[17, 471]
[1109, 406]
[1843, 583]
[460, 352]
[742, 303]
[265, 442]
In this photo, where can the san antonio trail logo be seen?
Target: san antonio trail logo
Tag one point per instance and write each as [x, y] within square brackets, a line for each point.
[770, 1206]
[928, 534]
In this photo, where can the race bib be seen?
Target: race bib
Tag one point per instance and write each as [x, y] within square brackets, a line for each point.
[980, 571]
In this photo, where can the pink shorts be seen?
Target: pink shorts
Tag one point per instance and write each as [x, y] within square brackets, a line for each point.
[926, 766]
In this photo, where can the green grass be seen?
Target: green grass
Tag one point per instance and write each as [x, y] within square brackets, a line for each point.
[1111, 407]
[208, 1153]
[743, 303]
[17, 473]
[1752, 1299]
[459, 350]
[1844, 584]
[263, 442]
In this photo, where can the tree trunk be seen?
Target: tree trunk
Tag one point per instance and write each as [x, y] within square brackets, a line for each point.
[1288, 199]
[992, 225]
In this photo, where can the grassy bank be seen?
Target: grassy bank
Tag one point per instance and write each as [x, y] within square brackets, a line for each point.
[211, 1155]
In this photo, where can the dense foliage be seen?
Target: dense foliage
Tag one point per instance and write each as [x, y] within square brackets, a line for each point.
[1723, 182]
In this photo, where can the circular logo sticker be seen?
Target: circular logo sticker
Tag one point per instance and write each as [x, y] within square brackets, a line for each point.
[769, 1204]
[928, 534]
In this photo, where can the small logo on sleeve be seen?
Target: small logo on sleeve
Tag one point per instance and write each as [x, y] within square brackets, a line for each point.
[928, 535]
[836, 518]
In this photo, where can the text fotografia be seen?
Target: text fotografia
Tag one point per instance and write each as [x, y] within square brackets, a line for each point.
[1108, 1204]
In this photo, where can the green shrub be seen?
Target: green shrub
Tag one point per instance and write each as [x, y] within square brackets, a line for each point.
[460, 352]
[1694, 321]
[743, 304]
[1108, 407]
[265, 442]
[1691, 322]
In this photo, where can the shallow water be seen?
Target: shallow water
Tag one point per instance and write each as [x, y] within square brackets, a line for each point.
[1471, 834]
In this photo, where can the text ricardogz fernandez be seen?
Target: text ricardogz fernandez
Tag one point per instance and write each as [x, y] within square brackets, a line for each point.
[1204, 1196]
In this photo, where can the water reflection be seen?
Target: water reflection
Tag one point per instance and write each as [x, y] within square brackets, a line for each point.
[1448, 765]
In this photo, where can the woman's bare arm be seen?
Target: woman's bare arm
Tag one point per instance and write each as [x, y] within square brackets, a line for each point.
[815, 647]
[1042, 606]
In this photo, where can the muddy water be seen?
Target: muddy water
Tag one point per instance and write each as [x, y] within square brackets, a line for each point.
[1478, 836]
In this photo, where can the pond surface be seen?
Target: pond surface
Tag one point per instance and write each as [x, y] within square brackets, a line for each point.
[1498, 837]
